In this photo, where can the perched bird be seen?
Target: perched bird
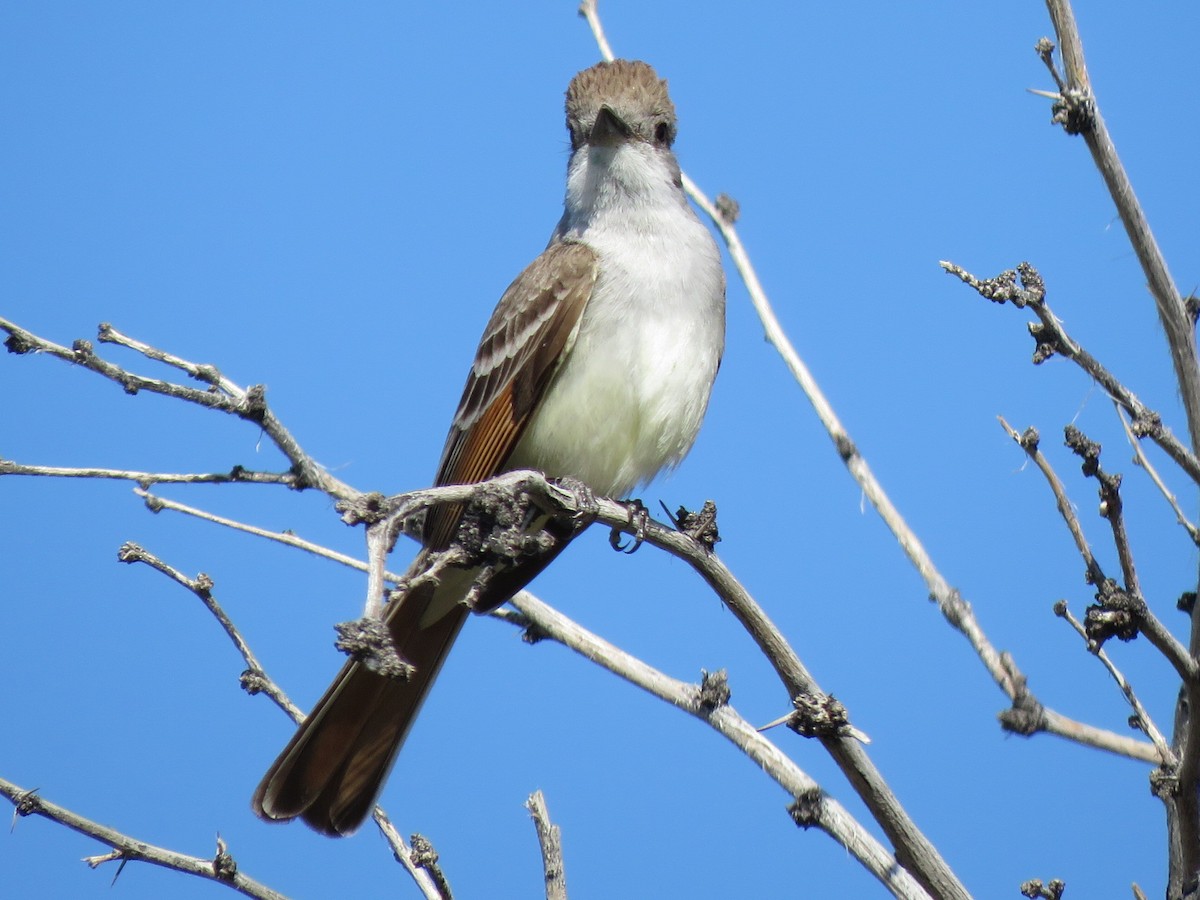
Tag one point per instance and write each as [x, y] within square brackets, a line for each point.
[596, 365]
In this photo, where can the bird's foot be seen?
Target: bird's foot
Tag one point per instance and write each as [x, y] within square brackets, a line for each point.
[639, 517]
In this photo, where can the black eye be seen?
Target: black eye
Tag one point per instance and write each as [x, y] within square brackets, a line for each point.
[662, 133]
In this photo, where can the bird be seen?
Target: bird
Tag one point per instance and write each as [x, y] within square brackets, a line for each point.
[597, 365]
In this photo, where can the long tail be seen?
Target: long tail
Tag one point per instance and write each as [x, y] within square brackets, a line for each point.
[335, 765]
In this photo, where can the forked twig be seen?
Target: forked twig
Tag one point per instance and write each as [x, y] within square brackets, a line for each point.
[221, 868]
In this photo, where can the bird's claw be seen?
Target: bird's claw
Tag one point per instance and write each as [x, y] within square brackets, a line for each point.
[639, 516]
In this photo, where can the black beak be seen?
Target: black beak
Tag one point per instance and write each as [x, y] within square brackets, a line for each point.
[609, 129]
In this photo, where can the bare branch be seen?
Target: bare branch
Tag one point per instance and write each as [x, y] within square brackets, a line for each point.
[912, 847]
[587, 9]
[1140, 716]
[791, 671]
[157, 503]
[206, 373]
[1029, 441]
[1028, 717]
[254, 679]
[246, 403]
[550, 840]
[403, 854]
[1111, 506]
[1052, 722]
[1181, 798]
[1111, 509]
[1079, 113]
[235, 475]
[381, 537]
[957, 612]
[1052, 337]
[82, 353]
[811, 807]
[1140, 459]
[424, 857]
[1131, 603]
[221, 868]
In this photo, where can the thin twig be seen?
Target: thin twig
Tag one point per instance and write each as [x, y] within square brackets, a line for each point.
[403, 854]
[1140, 459]
[1097, 738]
[1144, 722]
[1114, 512]
[550, 840]
[206, 373]
[1112, 509]
[587, 9]
[1029, 441]
[1052, 337]
[221, 868]
[254, 679]
[1112, 506]
[235, 475]
[379, 542]
[157, 503]
[246, 403]
[1147, 623]
[82, 353]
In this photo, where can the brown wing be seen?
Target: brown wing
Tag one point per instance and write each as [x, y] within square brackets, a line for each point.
[521, 348]
[334, 766]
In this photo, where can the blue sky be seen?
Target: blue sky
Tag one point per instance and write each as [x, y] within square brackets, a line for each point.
[328, 200]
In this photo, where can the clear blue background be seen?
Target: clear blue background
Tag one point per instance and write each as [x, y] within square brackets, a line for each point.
[328, 199]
